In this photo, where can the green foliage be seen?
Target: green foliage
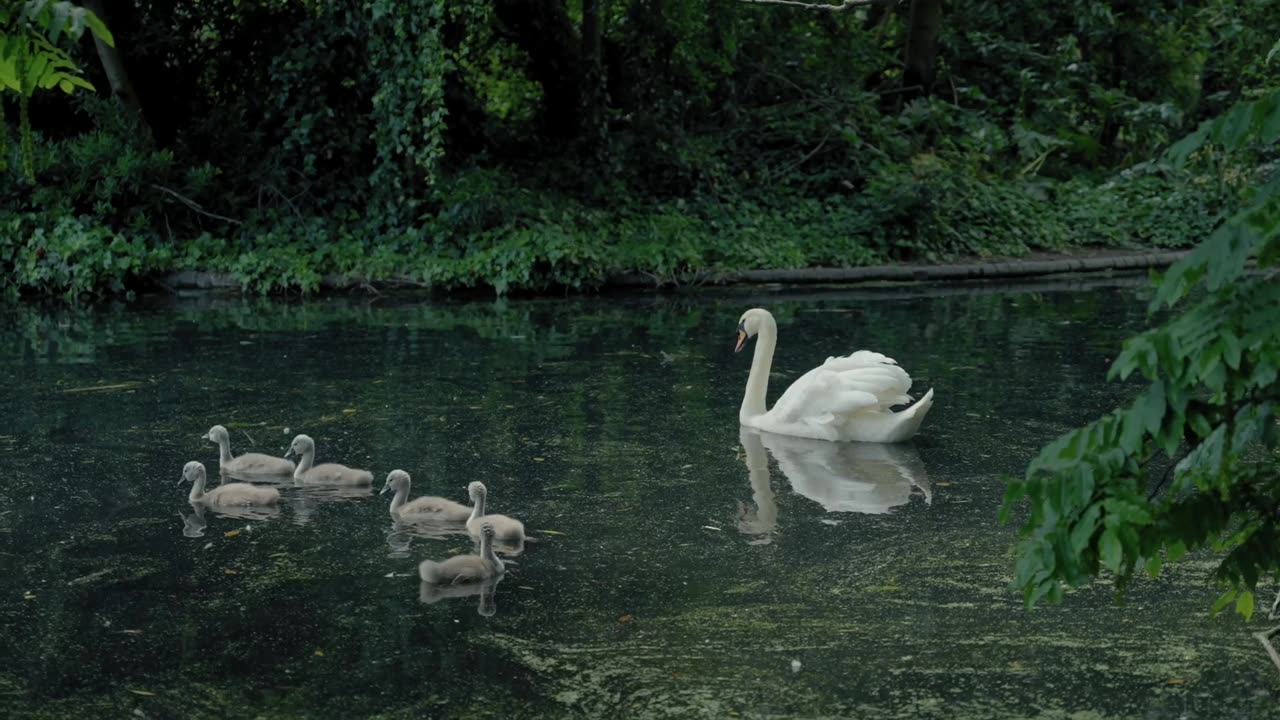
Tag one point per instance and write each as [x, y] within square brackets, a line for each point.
[31, 60]
[72, 257]
[466, 138]
[1209, 408]
[408, 105]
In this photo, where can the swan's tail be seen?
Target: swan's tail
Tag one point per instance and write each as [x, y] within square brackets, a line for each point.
[909, 420]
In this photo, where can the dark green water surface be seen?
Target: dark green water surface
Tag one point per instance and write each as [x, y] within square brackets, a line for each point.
[680, 568]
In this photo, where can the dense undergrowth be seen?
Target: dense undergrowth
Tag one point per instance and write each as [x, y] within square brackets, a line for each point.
[437, 143]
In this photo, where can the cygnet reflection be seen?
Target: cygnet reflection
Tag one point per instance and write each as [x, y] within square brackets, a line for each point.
[247, 512]
[763, 521]
[401, 534]
[870, 478]
[306, 500]
[431, 593]
[193, 525]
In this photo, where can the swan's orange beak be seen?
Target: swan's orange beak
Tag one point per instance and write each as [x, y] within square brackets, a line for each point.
[742, 339]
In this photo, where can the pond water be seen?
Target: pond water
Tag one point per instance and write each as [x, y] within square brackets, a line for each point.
[678, 567]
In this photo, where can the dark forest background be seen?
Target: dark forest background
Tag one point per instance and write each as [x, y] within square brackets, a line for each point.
[528, 144]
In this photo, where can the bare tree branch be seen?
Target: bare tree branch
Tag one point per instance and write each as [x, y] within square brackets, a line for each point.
[1264, 637]
[194, 205]
[844, 4]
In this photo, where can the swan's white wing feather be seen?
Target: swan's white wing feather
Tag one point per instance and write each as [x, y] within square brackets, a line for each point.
[820, 396]
[842, 386]
[860, 358]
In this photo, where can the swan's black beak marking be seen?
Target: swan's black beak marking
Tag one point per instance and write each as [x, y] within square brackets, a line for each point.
[742, 337]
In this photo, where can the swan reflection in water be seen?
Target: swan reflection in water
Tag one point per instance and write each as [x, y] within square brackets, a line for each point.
[401, 534]
[431, 593]
[870, 478]
[764, 519]
[306, 499]
[193, 525]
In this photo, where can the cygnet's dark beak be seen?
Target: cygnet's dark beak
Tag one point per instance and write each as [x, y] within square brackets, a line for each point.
[205, 436]
[742, 337]
[288, 453]
[385, 488]
[181, 479]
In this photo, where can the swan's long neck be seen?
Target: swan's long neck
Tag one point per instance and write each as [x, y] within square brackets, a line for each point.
[486, 552]
[304, 463]
[477, 510]
[402, 494]
[761, 362]
[224, 450]
[197, 489]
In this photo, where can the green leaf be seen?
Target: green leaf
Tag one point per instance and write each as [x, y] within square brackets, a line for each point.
[1244, 604]
[1109, 550]
[1180, 151]
[1127, 512]
[1266, 118]
[1084, 528]
[1231, 349]
[98, 28]
[1042, 588]
[1233, 130]
[1223, 600]
[1153, 565]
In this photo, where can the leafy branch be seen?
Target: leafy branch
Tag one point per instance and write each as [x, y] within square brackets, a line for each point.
[1211, 376]
[31, 60]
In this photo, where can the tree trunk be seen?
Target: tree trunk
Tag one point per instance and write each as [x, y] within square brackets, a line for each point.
[920, 65]
[113, 64]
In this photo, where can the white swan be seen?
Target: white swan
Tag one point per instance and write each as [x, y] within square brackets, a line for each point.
[227, 494]
[846, 398]
[248, 464]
